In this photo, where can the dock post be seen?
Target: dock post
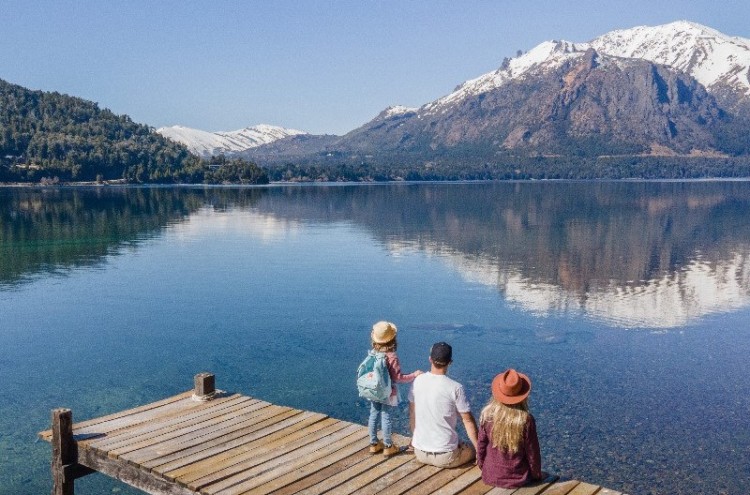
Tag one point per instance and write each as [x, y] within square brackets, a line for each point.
[205, 386]
[63, 452]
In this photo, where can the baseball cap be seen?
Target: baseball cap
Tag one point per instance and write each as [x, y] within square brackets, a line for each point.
[441, 353]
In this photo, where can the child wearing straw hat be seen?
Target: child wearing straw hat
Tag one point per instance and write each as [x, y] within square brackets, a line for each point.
[508, 448]
[383, 339]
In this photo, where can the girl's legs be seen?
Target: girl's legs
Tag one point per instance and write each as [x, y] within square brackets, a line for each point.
[385, 416]
[372, 423]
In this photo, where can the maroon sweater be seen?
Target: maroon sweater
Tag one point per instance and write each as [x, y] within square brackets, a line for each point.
[501, 468]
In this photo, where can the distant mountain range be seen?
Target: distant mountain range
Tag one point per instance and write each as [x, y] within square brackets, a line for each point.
[48, 138]
[669, 101]
[205, 144]
[675, 89]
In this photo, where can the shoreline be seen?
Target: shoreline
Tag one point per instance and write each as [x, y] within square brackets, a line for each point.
[60, 185]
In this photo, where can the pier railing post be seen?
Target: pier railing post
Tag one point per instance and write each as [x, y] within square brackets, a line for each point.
[205, 386]
[63, 452]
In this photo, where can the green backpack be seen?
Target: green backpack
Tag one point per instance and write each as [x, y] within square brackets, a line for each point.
[373, 379]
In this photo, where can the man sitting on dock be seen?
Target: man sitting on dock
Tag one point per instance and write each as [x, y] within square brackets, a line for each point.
[435, 403]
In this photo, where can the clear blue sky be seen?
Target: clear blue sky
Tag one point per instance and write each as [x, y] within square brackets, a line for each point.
[319, 66]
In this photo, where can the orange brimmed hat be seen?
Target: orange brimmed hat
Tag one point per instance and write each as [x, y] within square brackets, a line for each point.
[383, 331]
[511, 387]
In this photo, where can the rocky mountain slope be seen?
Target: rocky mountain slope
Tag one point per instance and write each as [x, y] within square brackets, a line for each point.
[680, 88]
[589, 104]
[719, 62]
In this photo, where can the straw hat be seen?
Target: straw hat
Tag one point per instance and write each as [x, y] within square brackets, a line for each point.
[511, 387]
[383, 331]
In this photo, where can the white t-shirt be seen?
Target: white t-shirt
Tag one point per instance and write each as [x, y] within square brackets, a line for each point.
[438, 402]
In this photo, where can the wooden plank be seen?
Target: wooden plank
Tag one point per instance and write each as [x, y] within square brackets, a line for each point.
[346, 475]
[367, 477]
[46, 435]
[533, 489]
[261, 474]
[502, 491]
[561, 487]
[131, 475]
[389, 482]
[435, 482]
[164, 411]
[477, 488]
[414, 479]
[305, 471]
[229, 420]
[584, 489]
[257, 474]
[126, 421]
[284, 426]
[258, 449]
[344, 469]
[152, 429]
[460, 482]
[199, 426]
[126, 435]
[170, 457]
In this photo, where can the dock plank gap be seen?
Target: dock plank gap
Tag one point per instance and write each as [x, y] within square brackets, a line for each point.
[205, 441]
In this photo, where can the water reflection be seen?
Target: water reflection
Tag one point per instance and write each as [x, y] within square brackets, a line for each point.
[655, 255]
[53, 229]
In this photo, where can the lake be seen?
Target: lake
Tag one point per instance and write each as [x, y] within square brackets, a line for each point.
[627, 303]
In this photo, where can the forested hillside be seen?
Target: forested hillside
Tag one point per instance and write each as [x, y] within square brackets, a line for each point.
[49, 137]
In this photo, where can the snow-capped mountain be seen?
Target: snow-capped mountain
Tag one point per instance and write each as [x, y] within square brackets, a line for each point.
[675, 89]
[719, 62]
[711, 57]
[206, 143]
[547, 55]
[671, 89]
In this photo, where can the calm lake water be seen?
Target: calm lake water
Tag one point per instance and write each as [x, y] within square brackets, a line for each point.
[627, 304]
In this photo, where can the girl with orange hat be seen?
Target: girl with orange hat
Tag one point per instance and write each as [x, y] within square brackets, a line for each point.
[508, 448]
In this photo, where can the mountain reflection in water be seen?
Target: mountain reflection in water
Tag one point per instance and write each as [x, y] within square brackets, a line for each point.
[54, 229]
[632, 254]
[133, 290]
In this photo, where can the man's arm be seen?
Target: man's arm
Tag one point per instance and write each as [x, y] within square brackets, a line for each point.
[471, 427]
[412, 417]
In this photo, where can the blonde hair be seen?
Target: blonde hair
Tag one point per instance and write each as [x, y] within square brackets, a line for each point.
[508, 423]
[389, 346]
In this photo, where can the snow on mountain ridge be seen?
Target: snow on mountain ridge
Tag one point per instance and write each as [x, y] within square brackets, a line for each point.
[395, 110]
[548, 54]
[205, 143]
[709, 56]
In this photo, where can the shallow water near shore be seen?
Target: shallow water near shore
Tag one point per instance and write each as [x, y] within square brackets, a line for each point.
[627, 303]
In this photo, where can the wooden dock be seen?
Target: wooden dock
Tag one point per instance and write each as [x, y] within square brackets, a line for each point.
[203, 442]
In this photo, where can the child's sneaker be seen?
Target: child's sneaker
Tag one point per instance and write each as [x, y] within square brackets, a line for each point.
[390, 450]
[376, 447]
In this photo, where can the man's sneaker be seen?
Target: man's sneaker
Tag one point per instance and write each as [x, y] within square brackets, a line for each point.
[376, 447]
[391, 450]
